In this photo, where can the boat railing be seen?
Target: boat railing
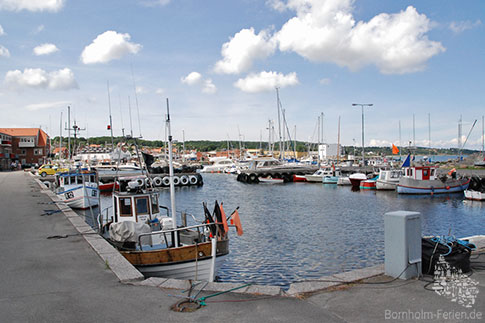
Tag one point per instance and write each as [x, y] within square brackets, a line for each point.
[167, 231]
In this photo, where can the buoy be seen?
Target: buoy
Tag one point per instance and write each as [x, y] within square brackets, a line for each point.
[157, 181]
[447, 187]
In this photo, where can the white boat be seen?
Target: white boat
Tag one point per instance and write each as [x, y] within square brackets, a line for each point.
[318, 176]
[270, 180]
[333, 177]
[388, 179]
[219, 165]
[474, 195]
[78, 189]
[343, 180]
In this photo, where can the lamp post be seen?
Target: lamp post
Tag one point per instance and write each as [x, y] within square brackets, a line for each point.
[362, 105]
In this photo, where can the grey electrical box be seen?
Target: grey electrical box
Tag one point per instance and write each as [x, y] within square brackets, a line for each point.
[402, 240]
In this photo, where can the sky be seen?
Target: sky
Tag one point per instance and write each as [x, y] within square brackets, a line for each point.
[219, 63]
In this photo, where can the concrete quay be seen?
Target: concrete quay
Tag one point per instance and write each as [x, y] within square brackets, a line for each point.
[80, 279]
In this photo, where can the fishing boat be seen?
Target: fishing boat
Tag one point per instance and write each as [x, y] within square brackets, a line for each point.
[78, 189]
[154, 243]
[424, 180]
[388, 179]
[474, 195]
[356, 178]
[476, 189]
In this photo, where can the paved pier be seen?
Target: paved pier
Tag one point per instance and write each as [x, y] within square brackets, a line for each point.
[65, 280]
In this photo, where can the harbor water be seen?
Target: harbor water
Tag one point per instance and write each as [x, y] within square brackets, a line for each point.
[302, 231]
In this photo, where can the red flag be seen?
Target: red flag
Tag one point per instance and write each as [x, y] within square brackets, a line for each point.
[224, 220]
[237, 223]
[395, 150]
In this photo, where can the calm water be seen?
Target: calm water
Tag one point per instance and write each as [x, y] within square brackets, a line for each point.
[299, 231]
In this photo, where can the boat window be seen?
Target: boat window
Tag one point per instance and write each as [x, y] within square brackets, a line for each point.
[155, 208]
[125, 206]
[78, 179]
[425, 173]
[141, 205]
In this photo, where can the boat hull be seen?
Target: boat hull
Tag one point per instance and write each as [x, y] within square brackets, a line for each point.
[386, 185]
[313, 178]
[187, 262]
[299, 178]
[330, 180]
[264, 180]
[78, 198]
[413, 186]
[343, 181]
[367, 185]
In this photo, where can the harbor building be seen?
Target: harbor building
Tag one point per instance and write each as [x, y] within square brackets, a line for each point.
[5, 150]
[27, 145]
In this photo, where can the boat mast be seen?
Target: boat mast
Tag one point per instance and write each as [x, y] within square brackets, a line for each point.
[183, 145]
[110, 120]
[69, 133]
[483, 135]
[60, 138]
[338, 141]
[170, 169]
[318, 145]
[429, 133]
[279, 120]
[400, 143]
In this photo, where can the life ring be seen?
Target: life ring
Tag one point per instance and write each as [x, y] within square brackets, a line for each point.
[193, 180]
[47, 184]
[176, 180]
[184, 180]
[166, 181]
[157, 181]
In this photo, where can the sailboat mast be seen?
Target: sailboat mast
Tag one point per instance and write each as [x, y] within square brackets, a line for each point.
[60, 138]
[338, 141]
[69, 132]
[483, 135]
[400, 143]
[279, 120]
[170, 170]
[429, 133]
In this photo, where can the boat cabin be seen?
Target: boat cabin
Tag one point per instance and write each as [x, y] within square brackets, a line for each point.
[141, 207]
[424, 173]
[75, 179]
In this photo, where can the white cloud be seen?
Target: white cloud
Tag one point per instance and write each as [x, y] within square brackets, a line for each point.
[242, 49]
[209, 87]
[155, 3]
[4, 52]
[160, 91]
[325, 81]
[278, 5]
[47, 105]
[458, 27]
[31, 5]
[108, 46]
[325, 31]
[37, 78]
[45, 49]
[266, 81]
[192, 78]
[2, 32]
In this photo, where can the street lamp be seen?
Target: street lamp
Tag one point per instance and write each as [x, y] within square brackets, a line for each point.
[362, 105]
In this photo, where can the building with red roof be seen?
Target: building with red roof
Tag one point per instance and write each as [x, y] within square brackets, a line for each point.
[26, 145]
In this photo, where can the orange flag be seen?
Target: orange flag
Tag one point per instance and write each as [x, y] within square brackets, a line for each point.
[224, 220]
[237, 223]
[395, 150]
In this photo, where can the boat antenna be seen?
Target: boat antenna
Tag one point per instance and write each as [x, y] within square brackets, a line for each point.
[110, 119]
[170, 172]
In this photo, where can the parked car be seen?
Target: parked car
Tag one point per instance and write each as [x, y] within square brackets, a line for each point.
[50, 169]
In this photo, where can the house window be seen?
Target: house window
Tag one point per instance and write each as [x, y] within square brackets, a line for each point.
[38, 151]
[23, 152]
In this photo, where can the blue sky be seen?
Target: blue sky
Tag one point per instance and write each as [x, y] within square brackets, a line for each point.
[219, 62]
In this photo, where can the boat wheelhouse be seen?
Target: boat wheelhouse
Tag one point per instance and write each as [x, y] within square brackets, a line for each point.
[388, 179]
